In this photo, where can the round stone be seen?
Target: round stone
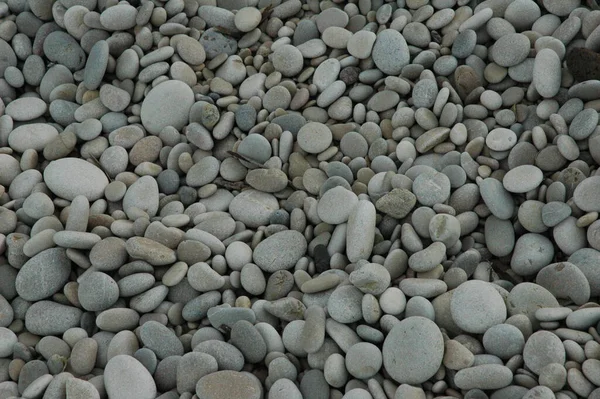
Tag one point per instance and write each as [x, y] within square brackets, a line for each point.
[329, 209]
[363, 360]
[541, 349]
[247, 19]
[501, 139]
[314, 137]
[586, 194]
[97, 291]
[511, 49]
[416, 338]
[167, 104]
[431, 188]
[288, 60]
[476, 306]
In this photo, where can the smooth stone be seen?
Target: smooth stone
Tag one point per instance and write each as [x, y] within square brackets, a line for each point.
[547, 73]
[126, 377]
[565, 280]
[228, 384]
[96, 65]
[150, 251]
[34, 136]
[280, 251]
[329, 209]
[50, 318]
[586, 194]
[541, 349]
[522, 179]
[498, 200]
[511, 49]
[191, 368]
[532, 252]
[119, 17]
[228, 357]
[419, 339]
[97, 291]
[360, 231]
[70, 177]
[477, 306]
[555, 212]
[390, 52]
[484, 376]
[161, 340]
[43, 275]
[62, 48]
[167, 104]
[253, 208]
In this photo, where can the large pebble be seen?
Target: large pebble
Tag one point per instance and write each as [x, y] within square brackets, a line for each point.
[280, 251]
[168, 104]
[70, 177]
[477, 306]
[228, 384]
[125, 377]
[418, 339]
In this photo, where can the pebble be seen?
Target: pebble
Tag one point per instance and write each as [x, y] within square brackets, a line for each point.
[228, 384]
[476, 306]
[43, 275]
[125, 377]
[522, 179]
[83, 179]
[421, 340]
[280, 251]
[156, 113]
[291, 199]
[511, 49]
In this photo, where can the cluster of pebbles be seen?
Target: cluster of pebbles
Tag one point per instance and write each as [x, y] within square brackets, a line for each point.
[246, 199]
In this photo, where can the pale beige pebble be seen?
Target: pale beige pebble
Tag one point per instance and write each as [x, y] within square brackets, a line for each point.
[361, 44]
[336, 37]
[247, 19]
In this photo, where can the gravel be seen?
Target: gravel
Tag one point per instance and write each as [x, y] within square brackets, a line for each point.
[299, 199]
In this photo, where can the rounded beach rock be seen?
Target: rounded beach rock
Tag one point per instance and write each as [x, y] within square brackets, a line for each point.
[168, 104]
[70, 177]
[416, 338]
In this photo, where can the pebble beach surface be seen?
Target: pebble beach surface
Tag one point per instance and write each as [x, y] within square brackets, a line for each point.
[299, 199]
